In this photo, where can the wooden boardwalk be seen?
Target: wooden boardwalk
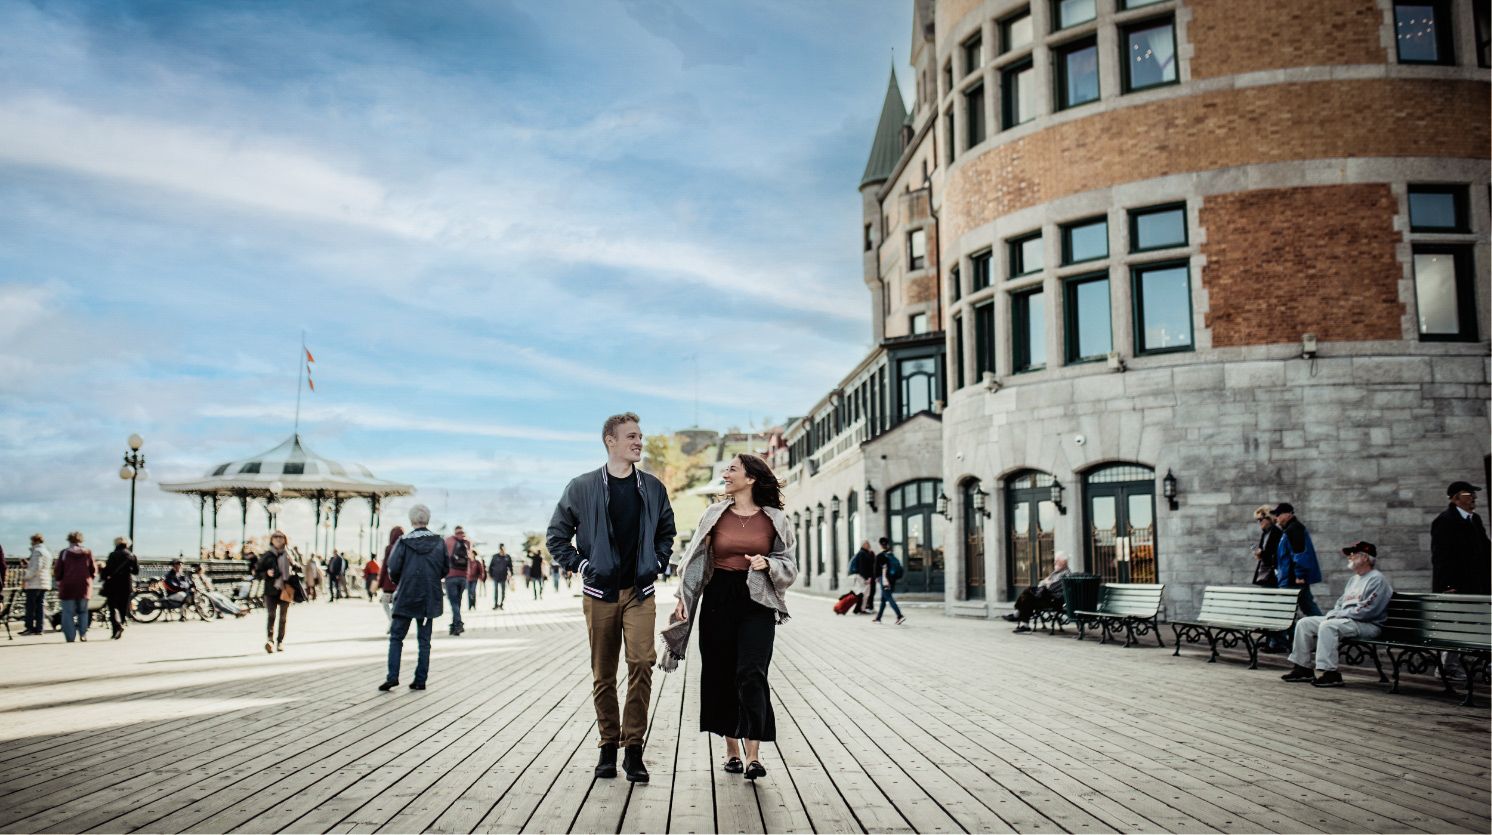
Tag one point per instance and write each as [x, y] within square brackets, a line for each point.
[939, 726]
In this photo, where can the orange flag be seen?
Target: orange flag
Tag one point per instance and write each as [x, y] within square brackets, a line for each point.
[309, 358]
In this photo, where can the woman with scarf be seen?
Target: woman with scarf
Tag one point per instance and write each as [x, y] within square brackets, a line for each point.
[386, 582]
[278, 573]
[119, 584]
[740, 563]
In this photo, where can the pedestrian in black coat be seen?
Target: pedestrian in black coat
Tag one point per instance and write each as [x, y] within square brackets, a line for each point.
[418, 565]
[119, 584]
[1460, 552]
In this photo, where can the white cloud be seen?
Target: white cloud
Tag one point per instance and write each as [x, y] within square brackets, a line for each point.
[373, 418]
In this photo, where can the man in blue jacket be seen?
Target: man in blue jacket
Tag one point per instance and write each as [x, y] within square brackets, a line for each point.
[614, 527]
[418, 564]
[1295, 564]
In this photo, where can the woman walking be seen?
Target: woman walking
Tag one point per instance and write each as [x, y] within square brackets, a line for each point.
[119, 584]
[278, 572]
[75, 571]
[741, 562]
[386, 583]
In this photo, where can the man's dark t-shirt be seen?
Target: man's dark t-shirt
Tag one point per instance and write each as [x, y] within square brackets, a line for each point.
[624, 504]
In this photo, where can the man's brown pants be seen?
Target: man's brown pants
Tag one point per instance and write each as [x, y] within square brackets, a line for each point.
[631, 622]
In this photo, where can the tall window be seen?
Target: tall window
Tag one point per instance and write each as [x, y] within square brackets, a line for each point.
[919, 323]
[1086, 309]
[958, 352]
[952, 135]
[1085, 240]
[1028, 325]
[1444, 293]
[981, 264]
[974, 118]
[1163, 308]
[914, 536]
[1077, 73]
[948, 76]
[984, 339]
[1016, 32]
[918, 379]
[917, 249]
[1160, 227]
[973, 54]
[1150, 54]
[1482, 11]
[1422, 32]
[1438, 209]
[1072, 12]
[955, 283]
[1025, 255]
[1119, 515]
[1017, 94]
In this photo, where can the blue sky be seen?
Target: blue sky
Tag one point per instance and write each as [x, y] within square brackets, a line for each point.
[498, 223]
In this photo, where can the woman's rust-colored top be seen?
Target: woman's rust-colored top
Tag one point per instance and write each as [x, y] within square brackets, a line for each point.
[736, 536]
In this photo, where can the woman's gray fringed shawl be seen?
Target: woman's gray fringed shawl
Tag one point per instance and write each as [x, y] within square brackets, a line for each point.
[769, 588]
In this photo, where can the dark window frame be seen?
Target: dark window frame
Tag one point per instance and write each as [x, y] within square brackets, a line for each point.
[1465, 291]
[1134, 226]
[869, 237]
[976, 128]
[1137, 296]
[1481, 32]
[1008, 97]
[1125, 82]
[1445, 35]
[1061, 54]
[1459, 195]
[1070, 318]
[984, 339]
[1058, 26]
[912, 323]
[1125, 5]
[1017, 257]
[952, 134]
[966, 50]
[958, 352]
[955, 283]
[1066, 232]
[1003, 26]
[912, 259]
[981, 274]
[1020, 331]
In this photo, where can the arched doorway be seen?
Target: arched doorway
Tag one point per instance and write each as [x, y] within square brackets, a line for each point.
[973, 524]
[835, 544]
[910, 510]
[853, 537]
[818, 544]
[1119, 519]
[1031, 520]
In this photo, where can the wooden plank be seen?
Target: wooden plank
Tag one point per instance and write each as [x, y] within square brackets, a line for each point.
[693, 805]
[647, 811]
[559, 754]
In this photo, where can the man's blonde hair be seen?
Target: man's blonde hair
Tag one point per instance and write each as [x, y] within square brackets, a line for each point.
[608, 429]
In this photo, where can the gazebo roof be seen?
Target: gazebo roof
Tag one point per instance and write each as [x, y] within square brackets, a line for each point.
[301, 472]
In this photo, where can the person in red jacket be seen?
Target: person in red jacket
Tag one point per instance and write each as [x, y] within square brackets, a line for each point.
[386, 582]
[370, 575]
[74, 571]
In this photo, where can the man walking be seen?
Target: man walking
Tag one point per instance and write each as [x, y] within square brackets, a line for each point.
[499, 569]
[536, 574]
[888, 571]
[458, 550]
[614, 527]
[336, 568]
[863, 565]
[417, 565]
[1460, 552]
[1296, 562]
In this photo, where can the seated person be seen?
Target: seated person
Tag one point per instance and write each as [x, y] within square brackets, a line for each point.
[1043, 595]
[1360, 613]
[177, 583]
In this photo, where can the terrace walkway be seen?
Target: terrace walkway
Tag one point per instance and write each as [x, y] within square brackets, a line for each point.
[940, 726]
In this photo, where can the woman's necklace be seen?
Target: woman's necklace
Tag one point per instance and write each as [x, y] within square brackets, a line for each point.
[745, 519]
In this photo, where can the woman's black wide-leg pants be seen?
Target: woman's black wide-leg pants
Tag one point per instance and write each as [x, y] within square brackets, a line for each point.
[735, 650]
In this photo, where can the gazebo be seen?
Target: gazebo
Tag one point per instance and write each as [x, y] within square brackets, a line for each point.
[289, 471]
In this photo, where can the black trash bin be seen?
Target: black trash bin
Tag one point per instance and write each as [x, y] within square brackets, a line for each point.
[1080, 592]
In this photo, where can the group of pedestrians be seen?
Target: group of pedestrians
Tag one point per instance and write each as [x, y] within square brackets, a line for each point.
[873, 571]
[614, 528]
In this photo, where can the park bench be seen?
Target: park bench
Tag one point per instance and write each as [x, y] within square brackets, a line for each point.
[1233, 614]
[1052, 617]
[1134, 606]
[1420, 627]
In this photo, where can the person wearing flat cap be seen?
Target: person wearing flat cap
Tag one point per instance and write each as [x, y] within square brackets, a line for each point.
[1360, 613]
[1460, 552]
[1295, 562]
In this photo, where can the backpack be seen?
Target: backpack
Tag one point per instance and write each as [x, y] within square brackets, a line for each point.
[459, 557]
[854, 567]
[894, 571]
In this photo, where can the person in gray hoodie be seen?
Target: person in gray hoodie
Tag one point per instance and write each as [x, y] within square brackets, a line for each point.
[418, 565]
[1360, 613]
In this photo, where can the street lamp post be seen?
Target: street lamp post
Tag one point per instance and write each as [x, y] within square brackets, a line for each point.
[273, 507]
[133, 471]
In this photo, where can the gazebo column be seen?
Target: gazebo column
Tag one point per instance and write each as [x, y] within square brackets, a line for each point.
[373, 505]
[336, 519]
[201, 520]
[216, 502]
[316, 529]
[243, 533]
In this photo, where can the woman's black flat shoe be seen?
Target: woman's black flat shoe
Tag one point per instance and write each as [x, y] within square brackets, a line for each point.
[733, 766]
[755, 770]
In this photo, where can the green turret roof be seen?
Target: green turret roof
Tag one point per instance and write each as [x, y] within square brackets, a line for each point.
[886, 150]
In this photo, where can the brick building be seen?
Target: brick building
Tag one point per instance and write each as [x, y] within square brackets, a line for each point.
[1240, 244]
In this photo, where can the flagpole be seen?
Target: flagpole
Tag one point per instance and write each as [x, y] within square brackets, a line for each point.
[300, 362]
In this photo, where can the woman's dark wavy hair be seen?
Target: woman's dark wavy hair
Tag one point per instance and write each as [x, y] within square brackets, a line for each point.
[767, 491]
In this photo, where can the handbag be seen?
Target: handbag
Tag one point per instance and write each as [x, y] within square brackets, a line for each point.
[287, 593]
[298, 589]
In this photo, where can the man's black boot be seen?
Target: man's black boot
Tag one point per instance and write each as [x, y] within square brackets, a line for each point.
[632, 764]
[607, 765]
